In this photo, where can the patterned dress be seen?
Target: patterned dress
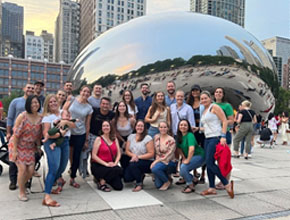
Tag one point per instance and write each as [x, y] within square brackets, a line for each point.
[27, 134]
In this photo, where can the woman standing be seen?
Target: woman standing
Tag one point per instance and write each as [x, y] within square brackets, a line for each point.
[285, 127]
[246, 118]
[215, 126]
[140, 149]
[124, 125]
[129, 100]
[80, 109]
[157, 112]
[25, 142]
[61, 97]
[165, 162]
[192, 154]
[272, 124]
[57, 158]
[106, 155]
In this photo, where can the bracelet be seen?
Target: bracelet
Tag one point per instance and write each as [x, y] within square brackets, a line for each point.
[223, 135]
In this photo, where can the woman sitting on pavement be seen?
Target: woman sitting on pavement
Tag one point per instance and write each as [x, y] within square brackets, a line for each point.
[106, 155]
[164, 163]
[140, 149]
[24, 142]
[157, 112]
[214, 124]
[192, 154]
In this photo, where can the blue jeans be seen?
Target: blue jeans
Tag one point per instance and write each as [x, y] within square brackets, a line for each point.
[152, 131]
[161, 172]
[195, 162]
[2, 137]
[136, 171]
[243, 146]
[57, 160]
[212, 169]
[229, 137]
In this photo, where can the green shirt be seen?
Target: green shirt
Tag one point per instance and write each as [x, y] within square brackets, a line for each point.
[189, 140]
[227, 108]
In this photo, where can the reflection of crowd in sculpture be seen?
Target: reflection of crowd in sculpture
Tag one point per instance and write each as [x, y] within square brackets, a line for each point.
[163, 135]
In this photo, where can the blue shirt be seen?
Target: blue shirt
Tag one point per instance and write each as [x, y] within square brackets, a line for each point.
[143, 106]
[168, 101]
[177, 114]
[15, 108]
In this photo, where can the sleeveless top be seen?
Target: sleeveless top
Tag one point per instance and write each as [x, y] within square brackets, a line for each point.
[105, 153]
[162, 117]
[211, 123]
[126, 130]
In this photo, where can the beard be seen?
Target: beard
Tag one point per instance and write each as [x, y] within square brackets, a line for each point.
[145, 93]
[171, 91]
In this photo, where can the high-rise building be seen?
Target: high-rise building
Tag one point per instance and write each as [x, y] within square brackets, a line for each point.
[15, 73]
[48, 42]
[34, 46]
[12, 30]
[279, 48]
[67, 31]
[97, 16]
[232, 10]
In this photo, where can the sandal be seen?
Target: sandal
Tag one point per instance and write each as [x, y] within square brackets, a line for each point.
[138, 188]
[74, 184]
[201, 180]
[23, 198]
[231, 192]
[181, 181]
[53, 203]
[104, 188]
[220, 186]
[57, 190]
[207, 192]
[188, 189]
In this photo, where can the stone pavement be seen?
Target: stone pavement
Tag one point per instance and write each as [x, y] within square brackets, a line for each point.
[262, 191]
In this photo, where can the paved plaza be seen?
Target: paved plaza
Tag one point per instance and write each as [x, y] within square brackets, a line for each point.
[262, 191]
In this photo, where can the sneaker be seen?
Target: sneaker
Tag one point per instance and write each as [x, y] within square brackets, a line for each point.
[12, 186]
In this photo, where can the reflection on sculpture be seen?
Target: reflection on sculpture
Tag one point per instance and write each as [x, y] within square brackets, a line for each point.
[186, 47]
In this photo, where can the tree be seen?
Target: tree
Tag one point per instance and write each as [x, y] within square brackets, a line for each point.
[282, 103]
[7, 99]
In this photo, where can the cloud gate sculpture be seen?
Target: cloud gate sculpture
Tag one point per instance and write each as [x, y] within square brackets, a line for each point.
[186, 47]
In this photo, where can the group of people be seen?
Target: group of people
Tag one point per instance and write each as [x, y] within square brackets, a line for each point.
[161, 135]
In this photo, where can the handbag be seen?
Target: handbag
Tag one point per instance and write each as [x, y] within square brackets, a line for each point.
[112, 155]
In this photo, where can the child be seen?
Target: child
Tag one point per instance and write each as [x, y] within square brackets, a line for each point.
[65, 115]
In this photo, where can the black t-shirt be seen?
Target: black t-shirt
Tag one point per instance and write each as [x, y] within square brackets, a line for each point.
[265, 134]
[97, 120]
[247, 115]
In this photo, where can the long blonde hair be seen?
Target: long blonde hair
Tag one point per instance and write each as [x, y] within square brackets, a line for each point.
[46, 110]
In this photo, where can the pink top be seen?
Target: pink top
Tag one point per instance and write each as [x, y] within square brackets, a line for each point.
[105, 153]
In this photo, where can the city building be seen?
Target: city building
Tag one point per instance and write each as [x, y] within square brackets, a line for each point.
[286, 75]
[48, 42]
[98, 16]
[15, 73]
[67, 32]
[233, 11]
[34, 46]
[12, 30]
[279, 48]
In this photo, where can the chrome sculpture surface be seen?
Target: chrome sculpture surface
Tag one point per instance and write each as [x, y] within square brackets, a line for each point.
[186, 47]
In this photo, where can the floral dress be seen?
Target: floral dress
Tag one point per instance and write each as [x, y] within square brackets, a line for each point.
[28, 134]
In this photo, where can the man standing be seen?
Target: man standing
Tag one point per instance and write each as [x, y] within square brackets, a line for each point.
[95, 98]
[181, 110]
[170, 98]
[15, 108]
[143, 102]
[38, 88]
[68, 88]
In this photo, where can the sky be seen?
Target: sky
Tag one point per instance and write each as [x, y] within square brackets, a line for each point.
[263, 18]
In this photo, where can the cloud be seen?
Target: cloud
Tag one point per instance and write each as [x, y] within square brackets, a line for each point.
[156, 6]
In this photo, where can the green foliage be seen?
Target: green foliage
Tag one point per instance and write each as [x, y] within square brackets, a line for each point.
[282, 103]
[7, 99]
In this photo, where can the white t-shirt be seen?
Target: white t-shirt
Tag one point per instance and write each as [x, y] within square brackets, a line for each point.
[51, 119]
[131, 111]
[138, 148]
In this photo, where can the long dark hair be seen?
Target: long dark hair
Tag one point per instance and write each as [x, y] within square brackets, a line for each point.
[179, 134]
[224, 93]
[131, 102]
[112, 134]
[270, 116]
[117, 115]
[144, 133]
[155, 105]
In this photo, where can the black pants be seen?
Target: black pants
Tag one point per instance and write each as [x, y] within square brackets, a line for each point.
[112, 175]
[13, 172]
[136, 171]
[77, 143]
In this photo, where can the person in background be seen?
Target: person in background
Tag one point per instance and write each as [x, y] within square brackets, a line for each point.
[272, 124]
[95, 98]
[215, 126]
[139, 147]
[143, 102]
[25, 141]
[68, 88]
[157, 112]
[170, 98]
[61, 97]
[129, 100]
[106, 155]
[38, 89]
[285, 127]
[165, 162]
[2, 136]
[15, 108]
